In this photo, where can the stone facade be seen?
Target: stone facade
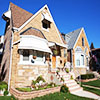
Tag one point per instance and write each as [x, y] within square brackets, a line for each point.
[22, 75]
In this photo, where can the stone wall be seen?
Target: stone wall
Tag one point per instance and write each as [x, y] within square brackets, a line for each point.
[79, 71]
[33, 94]
[27, 73]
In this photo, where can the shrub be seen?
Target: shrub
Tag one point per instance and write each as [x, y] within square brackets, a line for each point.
[67, 70]
[33, 82]
[71, 77]
[40, 78]
[3, 85]
[62, 79]
[87, 76]
[5, 93]
[52, 84]
[64, 89]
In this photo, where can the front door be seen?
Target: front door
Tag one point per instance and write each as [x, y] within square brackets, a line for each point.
[53, 61]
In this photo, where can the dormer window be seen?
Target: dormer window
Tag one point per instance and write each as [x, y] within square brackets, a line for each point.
[46, 21]
[45, 24]
[82, 41]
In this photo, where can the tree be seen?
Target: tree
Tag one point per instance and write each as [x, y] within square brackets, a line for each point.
[92, 46]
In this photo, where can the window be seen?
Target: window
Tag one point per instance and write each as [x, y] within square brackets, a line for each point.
[82, 41]
[82, 59]
[78, 62]
[39, 57]
[87, 62]
[25, 55]
[45, 24]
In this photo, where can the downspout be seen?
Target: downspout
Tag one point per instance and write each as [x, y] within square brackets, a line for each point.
[10, 62]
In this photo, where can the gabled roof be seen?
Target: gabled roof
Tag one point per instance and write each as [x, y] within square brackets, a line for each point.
[72, 38]
[33, 31]
[19, 15]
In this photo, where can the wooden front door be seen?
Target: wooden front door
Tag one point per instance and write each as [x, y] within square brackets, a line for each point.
[53, 61]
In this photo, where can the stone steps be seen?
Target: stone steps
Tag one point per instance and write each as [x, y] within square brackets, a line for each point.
[70, 83]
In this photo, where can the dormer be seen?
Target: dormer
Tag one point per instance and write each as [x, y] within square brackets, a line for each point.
[46, 20]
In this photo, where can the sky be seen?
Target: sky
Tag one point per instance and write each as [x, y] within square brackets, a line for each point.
[68, 15]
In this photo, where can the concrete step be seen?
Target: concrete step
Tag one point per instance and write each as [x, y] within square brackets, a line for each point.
[69, 81]
[74, 87]
[71, 84]
[76, 90]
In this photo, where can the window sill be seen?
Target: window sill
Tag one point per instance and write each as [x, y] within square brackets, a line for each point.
[81, 66]
[29, 63]
[47, 30]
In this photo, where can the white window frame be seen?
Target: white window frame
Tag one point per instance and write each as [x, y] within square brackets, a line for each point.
[22, 62]
[78, 57]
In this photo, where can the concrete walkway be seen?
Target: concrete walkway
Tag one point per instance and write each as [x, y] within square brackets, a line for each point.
[86, 94]
[91, 87]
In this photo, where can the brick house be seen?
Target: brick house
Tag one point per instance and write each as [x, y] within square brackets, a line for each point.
[33, 46]
[78, 50]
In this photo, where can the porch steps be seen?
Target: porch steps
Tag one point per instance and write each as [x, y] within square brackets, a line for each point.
[70, 83]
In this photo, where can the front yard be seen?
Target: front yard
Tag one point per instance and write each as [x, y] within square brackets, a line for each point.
[94, 89]
[54, 96]
[95, 83]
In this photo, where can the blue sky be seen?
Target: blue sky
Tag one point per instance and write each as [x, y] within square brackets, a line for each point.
[68, 15]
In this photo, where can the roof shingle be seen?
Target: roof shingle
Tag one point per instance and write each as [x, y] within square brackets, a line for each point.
[19, 15]
[33, 31]
[72, 37]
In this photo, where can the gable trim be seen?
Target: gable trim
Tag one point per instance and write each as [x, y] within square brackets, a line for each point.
[78, 37]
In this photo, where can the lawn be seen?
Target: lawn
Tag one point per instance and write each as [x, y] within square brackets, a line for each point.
[96, 91]
[54, 96]
[7, 98]
[95, 83]
[61, 96]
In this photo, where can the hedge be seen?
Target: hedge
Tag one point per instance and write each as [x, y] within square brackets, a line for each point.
[87, 76]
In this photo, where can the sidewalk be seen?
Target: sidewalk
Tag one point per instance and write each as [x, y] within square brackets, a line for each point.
[87, 94]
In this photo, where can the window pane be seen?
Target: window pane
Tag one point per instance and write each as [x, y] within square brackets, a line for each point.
[25, 55]
[78, 62]
[39, 56]
[82, 41]
[82, 59]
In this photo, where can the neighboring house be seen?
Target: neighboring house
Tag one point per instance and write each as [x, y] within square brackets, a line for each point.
[95, 59]
[78, 50]
[33, 46]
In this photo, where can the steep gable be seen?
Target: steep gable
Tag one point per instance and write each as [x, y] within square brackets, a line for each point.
[19, 15]
[79, 42]
[52, 34]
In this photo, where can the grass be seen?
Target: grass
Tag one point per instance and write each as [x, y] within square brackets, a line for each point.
[7, 98]
[95, 83]
[54, 96]
[61, 96]
[24, 89]
[96, 91]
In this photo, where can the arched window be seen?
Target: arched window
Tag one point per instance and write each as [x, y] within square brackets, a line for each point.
[82, 41]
